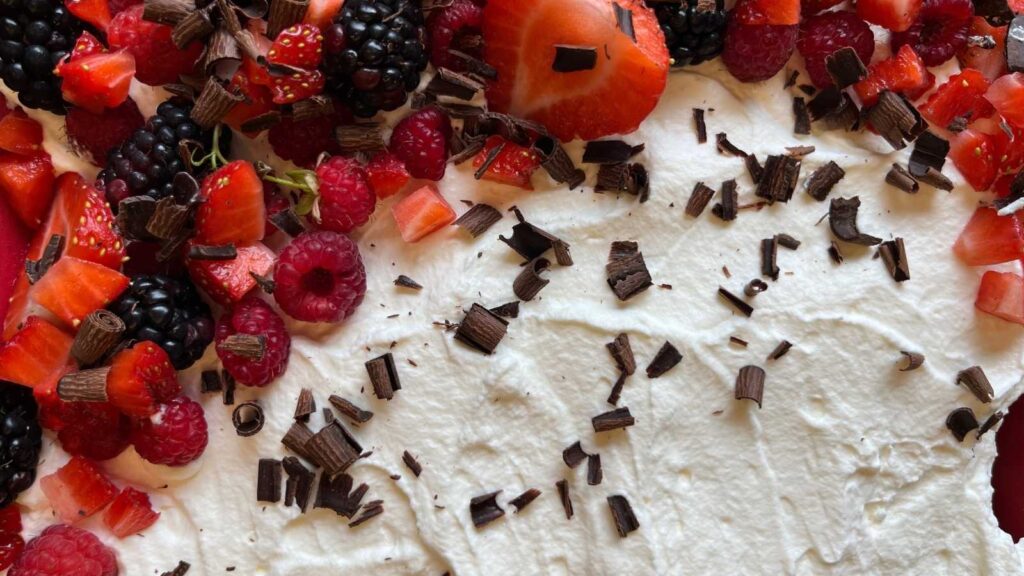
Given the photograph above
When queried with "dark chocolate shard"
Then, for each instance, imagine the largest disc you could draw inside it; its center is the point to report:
(736, 302)
(613, 420)
(475, 65)
(36, 269)
(622, 513)
(894, 255)
(262, 122)
(479, 219)
(226, 252)
(779, 180)
(728, 208)
(594, 472)
(896, 119)
(930, 151)
(786, 241)
(168, 219)
(412, 464)
(210, 382)
(530, 281)
(666, 359)
(574, 455)
(911, 360)
(300, 483)
(800, 151)
(482, 329)
(507, 310)
(845, 67)
(738, 341)
(842, 219)
(616, 393)
(484, 509)
(727, 147)
(365, 138)
(700, 198)
(750, 384)
(755, 287)
(566, 499)
(626, 270)
(990, 423)
(489, 159)
(1015, 44)
(975, 380)
(384, 376)
(268, 481)
(822, 180)
(371, 510)
(523, 500)
(333, 448)
(133, 214)
(936, 179)
(305, 406)
(229, 388)
(700, 125)
(834, 253)
(404, 281)
(453, 84)
(528, 240)
(769, 258)
(249, 346)
(288, 222)
(350, 410)
(248, 419)
(997, 12)
(801, 116)
(574, 58)
(609, 152)
(624, 20)
(557, 163)
(901, 178)
(336, 493)
(622, 353)
(180, 570)
(297, 439)
(960, 422)
(781, 350)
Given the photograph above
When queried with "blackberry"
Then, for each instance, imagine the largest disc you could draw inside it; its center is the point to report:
(169, 312)
(20, 441)
(374, 53)
(694, 29)
(34, 36)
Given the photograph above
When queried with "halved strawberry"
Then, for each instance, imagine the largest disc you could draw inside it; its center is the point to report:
(130, 513)
(520, 37)
(976, 156)
(770, 13)
(72, 289)
(321, 13)
(388, 175)
(298, 45)
(95, 12)
(257, 101)
(990, 238)
(98, 81)
(140, 377)
(989, 61)
(83, 216)
(77, 490)
(20, 134)
(963, 93)
(1007, 96)
(228, 281)
(422, 213)
(233, 211)
(514, 165)
(36, 355)
(896, 15)
(904, 72)
(1001, 294)
(296, 85)
(27, 183)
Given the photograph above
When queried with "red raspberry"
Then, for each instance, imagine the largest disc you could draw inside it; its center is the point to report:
(256, 317)
(11, 542)
(824, 34)
(808, 7)
(320, 277)
(118, 6)
(455, 27)
(421, 141)
(940, 31)
(388, 175)
(346, 197)
(302, 141)
(174, 436)
(754, 53)
(157, 60)
(95, 430)
(61, 550)
(98, 133)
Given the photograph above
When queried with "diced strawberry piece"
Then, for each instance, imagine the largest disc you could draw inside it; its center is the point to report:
(321, 13)
(258, 100)
(976, 156)
(77, 490)
(514, 165)
(234, 211)
(20, 134)
(36, 354)
(1001, 294)
(422, 213)
(1007, 96)
(98, 81)
(896, 15)
(1016, 5)
(989, 61)
(990, 238)
(903, 73)
(72, 289)
(771, 13)
(130, 513)
(84, 217)
(27, 183)
(86, 45)
(926, 85)
(228, 281)
(11, 542)
(388, 175)
(14, 241)
(95, 12)
(140, 377)
(298, 85)
(298, 45)
(963, 94)
(520, 38)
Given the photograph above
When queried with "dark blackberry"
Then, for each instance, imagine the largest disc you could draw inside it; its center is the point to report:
(374, 54)
(20, 441)
(34, 36)
(694, 29)
(169, 312)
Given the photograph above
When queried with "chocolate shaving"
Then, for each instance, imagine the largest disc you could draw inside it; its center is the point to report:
(622, 353)
(563, 495)
(821, 182)
(180, 570)
(523, 500)
(727, 147)
(475, 65)
(557, 163)
(168, 219)
(268, 480)
(836, 110)
(802, 117)
(702, 194)
(700, 125)
(613, 420)
(800, 151)
(507, 310)
(350, 410)
(288, 222)
(314, 107)
(492, 155)
(297, 440)
(845, 67)
(372, 510)
(975, 380)
(262, 122)
(333, 448)
(213, 104)
(336, 493)
(210, 382)
(482, 329)
(221, 57)
(609, 152)
(98, 334)
(1015, 44)
(354, 138)
(750, 384)
(248, 419)
(616, 393)
(781, 350)
(736, 302)
(84, 386)
(284, 13)
(842, 219)
(248, 346)
(769, 258)
(936, 179)
(574, 455)
(299, 486)
(227, 252)
(36, 269)
(194, 27)
(990, 423)
(594, 472)
(484, 509)
(754, 168)
(133, 214)
(626, 270)
(412, 464)
(574, 58)
(622, 513)
(900, 177)
(960, 422)
(624, 20)
(738, 341)
(779, 180)
(384, 376)
(404, 281)
(168, 12)
(896, 119)
(453, 84)
(755, 287)
(305, 406)
(894, 255)
(530, 241)
(529, 282)
(912, 360)
(479, 219)
(728, 208)
(930, 151)
(266, 284)
(834, 253)
(786, 241)
(666, 359)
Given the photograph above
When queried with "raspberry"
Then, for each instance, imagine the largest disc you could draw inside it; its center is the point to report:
(754, 53)
(346, 198)
(11, 542)
(421, 141)
(61, 550)
(824, 34)
(455, 27)
(118, 6)
(256, 317)
(174, 436)
(387, 173)
(157, 60)
(808, 7)
(302, 141)
(940, 31)
(97, 134)
(320, 277)
(95, 430)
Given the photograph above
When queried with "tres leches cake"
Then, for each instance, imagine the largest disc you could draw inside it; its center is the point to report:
(511, 287)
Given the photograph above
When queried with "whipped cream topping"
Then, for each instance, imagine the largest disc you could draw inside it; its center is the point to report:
(847, 469)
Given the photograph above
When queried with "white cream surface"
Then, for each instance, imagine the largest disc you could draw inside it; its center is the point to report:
(848, 468)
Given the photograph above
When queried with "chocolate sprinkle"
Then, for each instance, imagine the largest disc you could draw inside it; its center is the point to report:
(523, 500)
(101, 331)
(845, 67)
(412, 464)
(622, 513)
(738, 341)
(834, 253)
(529, 282)
(305, 406)
(900, 177)
(479, 219)
(530, 241)
(507, 310)
(702, 194)
(666, 359)
(781, 350)
(769, 258)
(404, 281)
(227, 252)
(914, 360)
(372, 510)
(248, 346)
(594, 472)
(779, 179)
(700, 125)
(802, 118)
(990, 423)
(288, 222)
(1015, 44)
(821, 182)
(936, 179)
(736, 302)
(622, 354)
(36, 269)
(229, 388)
(482, 329)
(960, 422)
(755, 287)
(180, 570)
(975, 380)
(350, 410)
(626, 270)
(750, 384)
(727, 147)
(896, 119)
(613, 420)
(248, 419)
(609, 152)
(333, 448)
(787, 241)
(842, 218)
(894, 254)
(484, 509)
(266, 284)
(574, 455)
(268, 481)
(574, 58)
(930, 151)
(728, 208)
(754, 168)
(384, 376)
(210, 382)
(563, 495)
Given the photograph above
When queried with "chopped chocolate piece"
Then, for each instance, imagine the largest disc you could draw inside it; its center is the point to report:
(168, 219)
(284, 13)
(1015, 44)
(845, 67)
(913, 360)
(900, 177)
(508, 310)
(594, 472)
(574, 455)
(627, 271)
(622, 513)
(448, 83)
(769, 258)
(622, 354)
(229, 388)
(84, 386)
(755, 287)
(404, 281)
(384, 376)
(612, 178)
(624, 20)
(562, 254)
(180, 570)
(700, 125)
(523, 500)
(960, 422)
(36, 269)
(248, 346)
(894, 254)
(300, 483)
(750, 384)
(372, 510)
(350, 410)
(268, 480)
(328, 415)
(896, 119)
(727, 147)
(738, 341)
(297, 439)
(702, 194)
(574, 58)
(665, 360)
(728, 208)
(529, 282)
(787, 241)
(133, 214)
(248, 419)
(616, 392)
(97, 335)
(333, 448)
(557, 163)
(288, 222)
(930, 151)
(528, 240)
(802, 118)
(479, 219)
(754, 168)
(834, 253)
(736, 302)
(484, 509)
(800, 151)
(354, 138)
(842, 218)
(828, 102)
(613, 420)
(336, 493)
(482, 329)
(936, 179)
(410, 462)
(492, 155)
(779, 179)
(823, 180)
(475, 65)
(990, 423)
(609, 152)
(959, 123)
(563, 495)
(262, 122)
(781, 350)
(313, 107)
(210, 382)
(794, 75)
(975, 380)
(305, 406)
(226, 252)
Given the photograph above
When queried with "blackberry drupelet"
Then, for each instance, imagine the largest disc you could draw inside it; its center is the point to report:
(20, 441)
(694, 29)
(374, 54)
(169, 312)
(34, 36)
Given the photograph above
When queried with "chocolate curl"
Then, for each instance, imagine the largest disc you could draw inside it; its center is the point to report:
(213, 103)
(84, 386)
(284, 13)
(98, 334)
(195, 26)
(360, 138)
(313, 107)
(222, 56)
(557, 163)
(169, 12)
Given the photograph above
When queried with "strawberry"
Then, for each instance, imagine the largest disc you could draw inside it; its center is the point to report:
(1007, 96)
(320, 13)
(990, 238)
(904, 72)
(14, 240)
(20, 134)
(296, 85)
(227, 281)
(98, 81)
(72, 289)
(130, 513)
(77, 490)
(976, 156)
(587, 104)
(513, 166)
(140, 377)
(422, 213)
(95, 12)
(299, 45)
(233, 211)
(1009, 142)
(11, 542)
(770, 13)
(1001, 294)
(86, 45)
(896, 15)
(257, 100)
(27, 184)
(388, 175)
(36, 355)
(963, 93)
(990, 61)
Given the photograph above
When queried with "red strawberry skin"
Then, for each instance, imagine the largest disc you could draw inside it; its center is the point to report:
(234, 211)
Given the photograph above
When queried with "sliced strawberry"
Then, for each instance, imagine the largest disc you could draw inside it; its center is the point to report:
(20, 134)
(1016, 5)
(84, 217)
(520, 37)
(72, 289)
(234, 212)
(963, 94)
(896, 15)
(320, 13)
(1009, 146)
(990, 238)
(298, 45)
(1001, 294)
(86, 45)
(14, 241)
(976, 156)
(771, 13)
(36, 355)
(77, 490)
(228, 281)
(98, 81)
(27, 183)
(422, 213)
(130, 513)
(141, 377)
(95, 12)
(296, 85)
(989, 61)
(1007, 96)
(388, 175)
(11, 541)
(904, 73)
(514, 165)
(257, 101)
